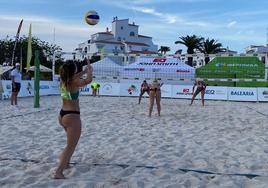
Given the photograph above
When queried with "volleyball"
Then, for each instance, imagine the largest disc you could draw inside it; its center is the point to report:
(92, 17)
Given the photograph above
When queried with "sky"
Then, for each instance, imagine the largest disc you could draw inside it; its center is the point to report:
(234, 23)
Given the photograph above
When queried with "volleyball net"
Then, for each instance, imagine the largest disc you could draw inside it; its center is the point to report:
(229, 69)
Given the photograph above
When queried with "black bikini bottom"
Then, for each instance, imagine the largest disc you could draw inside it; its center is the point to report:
(65, 112)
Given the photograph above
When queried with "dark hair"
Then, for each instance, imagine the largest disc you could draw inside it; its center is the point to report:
(67, 71)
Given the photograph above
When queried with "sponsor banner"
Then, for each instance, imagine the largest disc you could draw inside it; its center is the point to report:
(7, 90)
(108, 89)
(49, 88)
(27, 88)
(242, 94)
(166, 91)
(262, 94)
(130, 89)
(182, 91)
(86, 90)
(216, 93)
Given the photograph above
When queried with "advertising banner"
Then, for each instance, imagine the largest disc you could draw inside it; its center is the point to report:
(242, 94)
(110, 89)
(131, 89)
(27, 88)
(262, 94)
(216, 93)
(182, 91)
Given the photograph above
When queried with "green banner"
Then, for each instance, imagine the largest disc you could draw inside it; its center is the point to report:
(232, 67)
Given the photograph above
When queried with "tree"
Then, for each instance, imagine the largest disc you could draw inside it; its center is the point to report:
(191, 42)
(46, 50)
(164, 49)
(210, 47)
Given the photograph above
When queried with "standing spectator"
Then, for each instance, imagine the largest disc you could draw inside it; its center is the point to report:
(16, 83)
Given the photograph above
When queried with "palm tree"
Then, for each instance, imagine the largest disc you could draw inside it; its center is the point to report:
(191, 42)
(210, 47)
(164, 49)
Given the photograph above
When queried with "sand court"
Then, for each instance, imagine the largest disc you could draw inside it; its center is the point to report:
(121, 146)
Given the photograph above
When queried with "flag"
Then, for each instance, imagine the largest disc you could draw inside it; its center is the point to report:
(16, 40)
(29, 49)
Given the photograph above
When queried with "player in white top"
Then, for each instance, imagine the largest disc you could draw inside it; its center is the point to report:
(16, 83)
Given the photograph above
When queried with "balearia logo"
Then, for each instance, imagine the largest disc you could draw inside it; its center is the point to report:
(242, 93)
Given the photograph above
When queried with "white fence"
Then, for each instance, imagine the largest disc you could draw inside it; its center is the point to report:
(132, 89)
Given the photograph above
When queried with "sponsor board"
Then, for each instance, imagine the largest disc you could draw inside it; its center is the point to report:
(130, 89)
(86, 90)
(216, 93)
(27, 88)
(182, 91)
(166, 91)
(110, 89)
(242, 94)
(262, 94)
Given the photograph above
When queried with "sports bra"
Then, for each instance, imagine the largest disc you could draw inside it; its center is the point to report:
(67, 95)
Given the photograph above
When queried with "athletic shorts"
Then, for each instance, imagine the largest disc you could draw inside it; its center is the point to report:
(17, 88)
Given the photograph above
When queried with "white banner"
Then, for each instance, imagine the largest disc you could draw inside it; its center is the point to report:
(131, 89)
(110, 89)
(262, 94)
(242, 94)
(216, 93)
(86, 90)
(166, 91)
(27, 88)
(182, 91)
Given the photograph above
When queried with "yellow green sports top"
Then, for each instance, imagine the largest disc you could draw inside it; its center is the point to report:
(67, 95)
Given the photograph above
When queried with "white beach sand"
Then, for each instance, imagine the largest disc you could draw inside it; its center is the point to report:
(224, 137)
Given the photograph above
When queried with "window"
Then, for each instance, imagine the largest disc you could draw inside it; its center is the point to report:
(122, 27)
(132, 34)
(119, 38)
(85, 50)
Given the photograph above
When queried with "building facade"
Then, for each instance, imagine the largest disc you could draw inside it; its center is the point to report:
(123, 38)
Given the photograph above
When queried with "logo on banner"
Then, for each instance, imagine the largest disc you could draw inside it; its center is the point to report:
(182, 70)
(242, 93)
(44, 87)
(265, 94)
(159, 60)
(210, 92)
(185, 91)
(8, 86)
(131, 89)
(107, 88)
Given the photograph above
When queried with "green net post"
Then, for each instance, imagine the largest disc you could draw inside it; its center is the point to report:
(36, 80)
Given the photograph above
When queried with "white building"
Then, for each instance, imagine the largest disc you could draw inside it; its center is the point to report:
(256, 49)
(123, 38)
